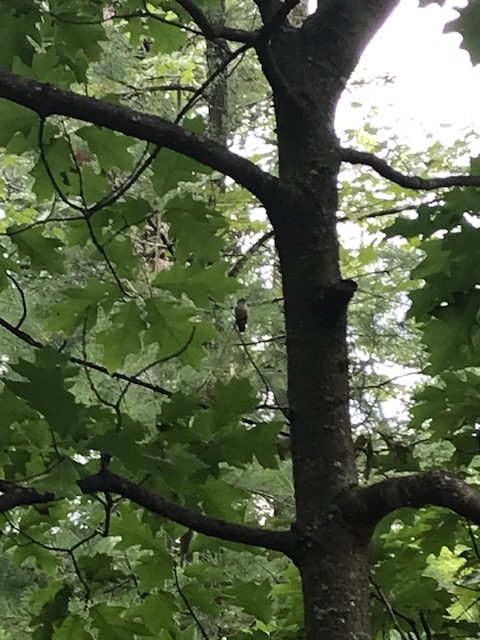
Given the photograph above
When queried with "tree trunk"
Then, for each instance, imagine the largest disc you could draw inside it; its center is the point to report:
(332, 559)
(217, 95)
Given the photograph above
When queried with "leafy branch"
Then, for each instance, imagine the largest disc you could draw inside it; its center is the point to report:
(47, 100)
(409, 182)
(33, 342)
(106, 481)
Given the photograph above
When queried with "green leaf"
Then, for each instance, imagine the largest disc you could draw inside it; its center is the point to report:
(194, 227)
(95, 184)
(201, 597)
(81, 303)
(158, 612)
(170, 327)
(43, 560)
(62, 479)
(254, 598)
(164, 39)
(13, 410)
(232, 399)
(18, 33)
(133, 532)
(98, 568)
(263, 443)
(467, 25)
(179, 406)
(53, 613)
(111, 623)
(18, 126)
(72, 628)
(170, 168)
(122, 441)
(222, 500)
(200, 284)
(57, 154)
(123, 337)
(110, 148)
(154, 570)
(46, 67)
(449, 335)
(44, 253)
(46, 380)
(77, 44)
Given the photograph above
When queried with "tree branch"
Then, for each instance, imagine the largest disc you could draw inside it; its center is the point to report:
(278, 17)
(214, 31)
(14, 496)
(241, 262)
(105, 481)
(268, 8)
(368, 505)
(47, 100)
(409, 182)
(30, 340)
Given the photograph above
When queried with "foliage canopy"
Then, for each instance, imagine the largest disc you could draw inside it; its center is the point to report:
(164, 475)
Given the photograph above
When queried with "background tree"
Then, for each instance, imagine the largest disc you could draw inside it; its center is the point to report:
(146, 444)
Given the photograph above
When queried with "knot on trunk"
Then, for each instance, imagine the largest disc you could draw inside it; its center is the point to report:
(331, 302)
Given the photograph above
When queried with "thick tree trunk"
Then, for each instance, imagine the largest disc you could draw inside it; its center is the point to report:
(332, 559)
(334, 571)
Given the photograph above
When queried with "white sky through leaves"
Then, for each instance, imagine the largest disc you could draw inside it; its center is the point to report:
(434, 90)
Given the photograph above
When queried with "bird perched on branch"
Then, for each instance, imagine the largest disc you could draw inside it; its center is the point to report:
(241, 315)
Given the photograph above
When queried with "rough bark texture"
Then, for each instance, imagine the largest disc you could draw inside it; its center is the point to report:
(308, 73)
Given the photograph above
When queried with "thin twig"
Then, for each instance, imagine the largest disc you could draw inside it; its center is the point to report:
(103, 253)
(28, 339)
(239, 265)
(129, 16)
(56, 186)
(23, 300)
(188, 605)
(408, 182)
(391, 611)
(171, 356)
(473, 539)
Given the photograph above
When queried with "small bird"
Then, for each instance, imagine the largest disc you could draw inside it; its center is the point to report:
(241, 315)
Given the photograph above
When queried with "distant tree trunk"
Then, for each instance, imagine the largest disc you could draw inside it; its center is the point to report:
(218, 118)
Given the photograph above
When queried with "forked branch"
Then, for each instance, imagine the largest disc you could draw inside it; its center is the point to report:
(368, 505)
(409, 182)
(211, 30)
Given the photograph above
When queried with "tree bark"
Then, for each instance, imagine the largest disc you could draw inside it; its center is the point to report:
(217, 98)
(332, 556)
